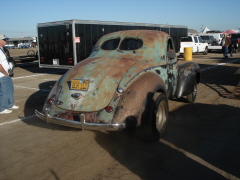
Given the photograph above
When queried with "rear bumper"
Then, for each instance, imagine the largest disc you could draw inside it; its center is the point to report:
(81, 125)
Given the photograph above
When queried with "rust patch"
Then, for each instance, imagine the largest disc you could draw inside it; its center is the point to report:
(75, 116)
(236, 92)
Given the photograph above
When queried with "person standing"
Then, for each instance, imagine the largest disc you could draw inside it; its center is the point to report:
(231, 46)
(226, 41)
(6, 84)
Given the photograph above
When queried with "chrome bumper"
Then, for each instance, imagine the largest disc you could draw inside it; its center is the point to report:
(82, 124)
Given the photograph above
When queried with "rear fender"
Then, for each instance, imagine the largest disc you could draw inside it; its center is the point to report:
(134, 99)
(187, 75)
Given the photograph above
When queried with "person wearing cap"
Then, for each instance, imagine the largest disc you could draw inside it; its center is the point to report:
(6, 84)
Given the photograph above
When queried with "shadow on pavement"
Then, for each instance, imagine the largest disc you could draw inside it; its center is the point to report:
(36, 101)
(196, 146)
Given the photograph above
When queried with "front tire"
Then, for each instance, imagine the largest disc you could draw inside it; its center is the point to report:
(205, 52)
(155, 120)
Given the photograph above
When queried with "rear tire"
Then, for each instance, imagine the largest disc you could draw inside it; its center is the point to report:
(155, 120)
(192, 97)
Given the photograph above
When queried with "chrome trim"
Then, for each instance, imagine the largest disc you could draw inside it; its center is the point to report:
(81, 125)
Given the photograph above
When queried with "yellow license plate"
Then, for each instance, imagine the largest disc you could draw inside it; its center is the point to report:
(79, 84)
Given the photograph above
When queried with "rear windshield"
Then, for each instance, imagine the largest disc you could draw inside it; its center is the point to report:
(127, 44)
(131, 44)
(235, 36)
(186, 39)
(205, 37)
(110, 44)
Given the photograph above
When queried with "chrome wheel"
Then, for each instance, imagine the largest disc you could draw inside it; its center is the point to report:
(192, 97)
(161, 117)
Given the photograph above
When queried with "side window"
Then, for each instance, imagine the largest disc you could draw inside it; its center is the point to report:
(200, 40)
(186, 39)
(171, 49)
(170, 45)
(195, 40)
(111, 44)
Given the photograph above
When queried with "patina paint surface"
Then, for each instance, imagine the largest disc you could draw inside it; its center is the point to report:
(138, 73)
(103, 75)
(133, 100)
(106, 70)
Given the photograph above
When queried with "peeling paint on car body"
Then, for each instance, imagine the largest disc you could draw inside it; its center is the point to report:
(135, 72)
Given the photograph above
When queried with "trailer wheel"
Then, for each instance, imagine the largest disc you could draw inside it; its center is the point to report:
(31, 53)
(155, 120)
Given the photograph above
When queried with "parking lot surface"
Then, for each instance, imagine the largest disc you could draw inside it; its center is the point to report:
(201, 140)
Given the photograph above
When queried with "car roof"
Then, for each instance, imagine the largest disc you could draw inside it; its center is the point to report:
(148, 36)
(206, 35)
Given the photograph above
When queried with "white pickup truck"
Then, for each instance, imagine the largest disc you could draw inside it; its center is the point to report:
(196, 43)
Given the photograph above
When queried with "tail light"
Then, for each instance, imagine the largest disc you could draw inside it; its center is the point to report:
(109, 109)
(70, 60)
(42, 59)
(49, 101)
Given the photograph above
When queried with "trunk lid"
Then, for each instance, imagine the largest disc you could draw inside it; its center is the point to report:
(91, 84)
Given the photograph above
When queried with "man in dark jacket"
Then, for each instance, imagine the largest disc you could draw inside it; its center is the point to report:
(226, 41)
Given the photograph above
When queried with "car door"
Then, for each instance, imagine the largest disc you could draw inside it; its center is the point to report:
(201, 44)
(171, 68)
(196, 44)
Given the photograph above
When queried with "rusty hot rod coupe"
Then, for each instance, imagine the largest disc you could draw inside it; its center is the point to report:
(125, 82)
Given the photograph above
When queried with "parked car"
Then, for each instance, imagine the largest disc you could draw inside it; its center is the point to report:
(125, 82)
(209, 39)
(24, 46)
(197, 44)
(218, 35)
(236, 40)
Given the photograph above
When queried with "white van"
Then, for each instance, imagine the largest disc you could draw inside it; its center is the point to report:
(218, 35)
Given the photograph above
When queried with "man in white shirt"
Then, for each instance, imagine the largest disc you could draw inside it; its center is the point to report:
(6, 84)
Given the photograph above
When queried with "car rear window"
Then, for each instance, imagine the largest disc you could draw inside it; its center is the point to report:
(205, 37)
(131, 44)
(186, 39)
(235, 36)
(126, 44)
(111, 44)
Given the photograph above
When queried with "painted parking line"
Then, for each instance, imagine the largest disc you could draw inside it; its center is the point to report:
(46, 90)
(38, 75)
(221, 64)
(201, 161)
(17, 120)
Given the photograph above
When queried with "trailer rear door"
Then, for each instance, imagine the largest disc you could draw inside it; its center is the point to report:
(55, 45)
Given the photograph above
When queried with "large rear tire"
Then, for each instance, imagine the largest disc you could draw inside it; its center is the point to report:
(192, 97)
(155, 120)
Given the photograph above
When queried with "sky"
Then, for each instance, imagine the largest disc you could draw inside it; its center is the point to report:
(20, 17)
